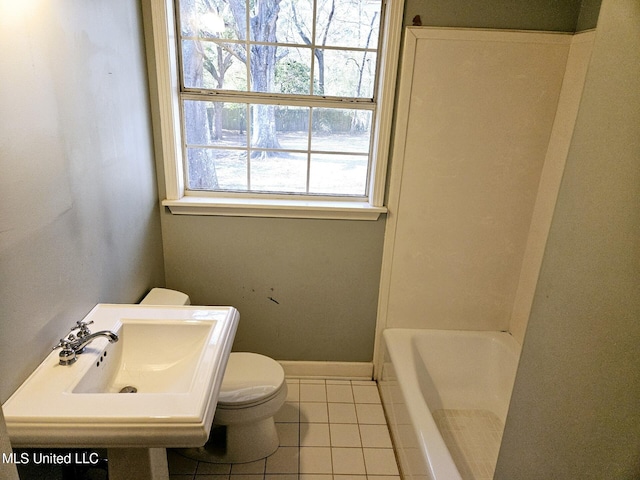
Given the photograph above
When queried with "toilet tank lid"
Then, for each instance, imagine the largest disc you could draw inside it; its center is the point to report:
(165, 296)
(250, 377)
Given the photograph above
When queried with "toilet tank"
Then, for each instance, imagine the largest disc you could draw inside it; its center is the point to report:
(165, 296)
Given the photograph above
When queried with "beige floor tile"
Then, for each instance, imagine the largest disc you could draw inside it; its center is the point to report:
(314, 435)
(284, 460)
(366, 394)
(313, 392)
(347, 461)
(275, 476)
(249, 467)
(369, 413)
(380, 461)
(345, 435)
(315, 476)
(315, 460)
(340, 393)
(375, 436)
(205, 468)
(313, 412)
(342, 413)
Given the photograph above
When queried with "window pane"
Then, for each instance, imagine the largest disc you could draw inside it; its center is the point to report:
(292, 124)
(295, 22)
(346, 73)
(207, 19)
(279, 127)
(213, 65)
(215, 123)
(278, 172)
(293, 71)
(216, 169)
(264, 19)
(352, 23)
(338, 174)
(341, 130)
(276, 69)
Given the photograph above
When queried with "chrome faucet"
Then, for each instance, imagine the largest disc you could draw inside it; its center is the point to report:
(74, 344)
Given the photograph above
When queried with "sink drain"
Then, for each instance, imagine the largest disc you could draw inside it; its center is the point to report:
(128, 389)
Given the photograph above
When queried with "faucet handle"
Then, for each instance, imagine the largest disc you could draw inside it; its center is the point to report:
(63, 343)
(82, 328)
(67, 354)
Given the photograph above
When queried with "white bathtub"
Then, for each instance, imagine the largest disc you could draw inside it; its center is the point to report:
(446, 394)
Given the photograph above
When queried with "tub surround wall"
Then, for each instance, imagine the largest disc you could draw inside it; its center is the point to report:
(475, 115)
(551, 175)
(79, 213)
(574, 409)
(471, 204)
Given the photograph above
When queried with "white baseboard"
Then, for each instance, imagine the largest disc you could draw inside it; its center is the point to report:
(332, 370)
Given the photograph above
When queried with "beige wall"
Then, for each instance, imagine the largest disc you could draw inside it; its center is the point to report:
(574, 409)
(79, 220)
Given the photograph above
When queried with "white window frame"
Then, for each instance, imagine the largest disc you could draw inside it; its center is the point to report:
(160, 38)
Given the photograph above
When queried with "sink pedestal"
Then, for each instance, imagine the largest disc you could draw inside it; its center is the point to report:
(138, 463)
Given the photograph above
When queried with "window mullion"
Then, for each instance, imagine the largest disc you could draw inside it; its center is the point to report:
(247, 39)
(309, 133)
(280, 99)
(249, 132)
(313, 46)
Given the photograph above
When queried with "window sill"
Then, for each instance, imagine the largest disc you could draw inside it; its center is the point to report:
(277, 208)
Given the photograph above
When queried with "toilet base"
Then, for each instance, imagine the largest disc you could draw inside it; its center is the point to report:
(240, 443)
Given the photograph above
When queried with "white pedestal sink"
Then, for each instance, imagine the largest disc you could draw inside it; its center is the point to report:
(173, 357)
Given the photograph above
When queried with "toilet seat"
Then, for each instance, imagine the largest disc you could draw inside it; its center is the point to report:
(250, 379)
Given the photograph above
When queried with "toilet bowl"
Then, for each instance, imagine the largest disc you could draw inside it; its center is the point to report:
(253, 390)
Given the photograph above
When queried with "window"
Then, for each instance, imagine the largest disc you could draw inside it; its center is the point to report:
(275, 107)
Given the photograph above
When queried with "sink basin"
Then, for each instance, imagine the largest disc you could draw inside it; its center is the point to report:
(152, 357)
(173, 358)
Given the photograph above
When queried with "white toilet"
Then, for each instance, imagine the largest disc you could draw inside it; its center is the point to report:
(253, 390)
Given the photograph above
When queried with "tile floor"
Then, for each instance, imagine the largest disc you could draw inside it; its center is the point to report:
(329, 430)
